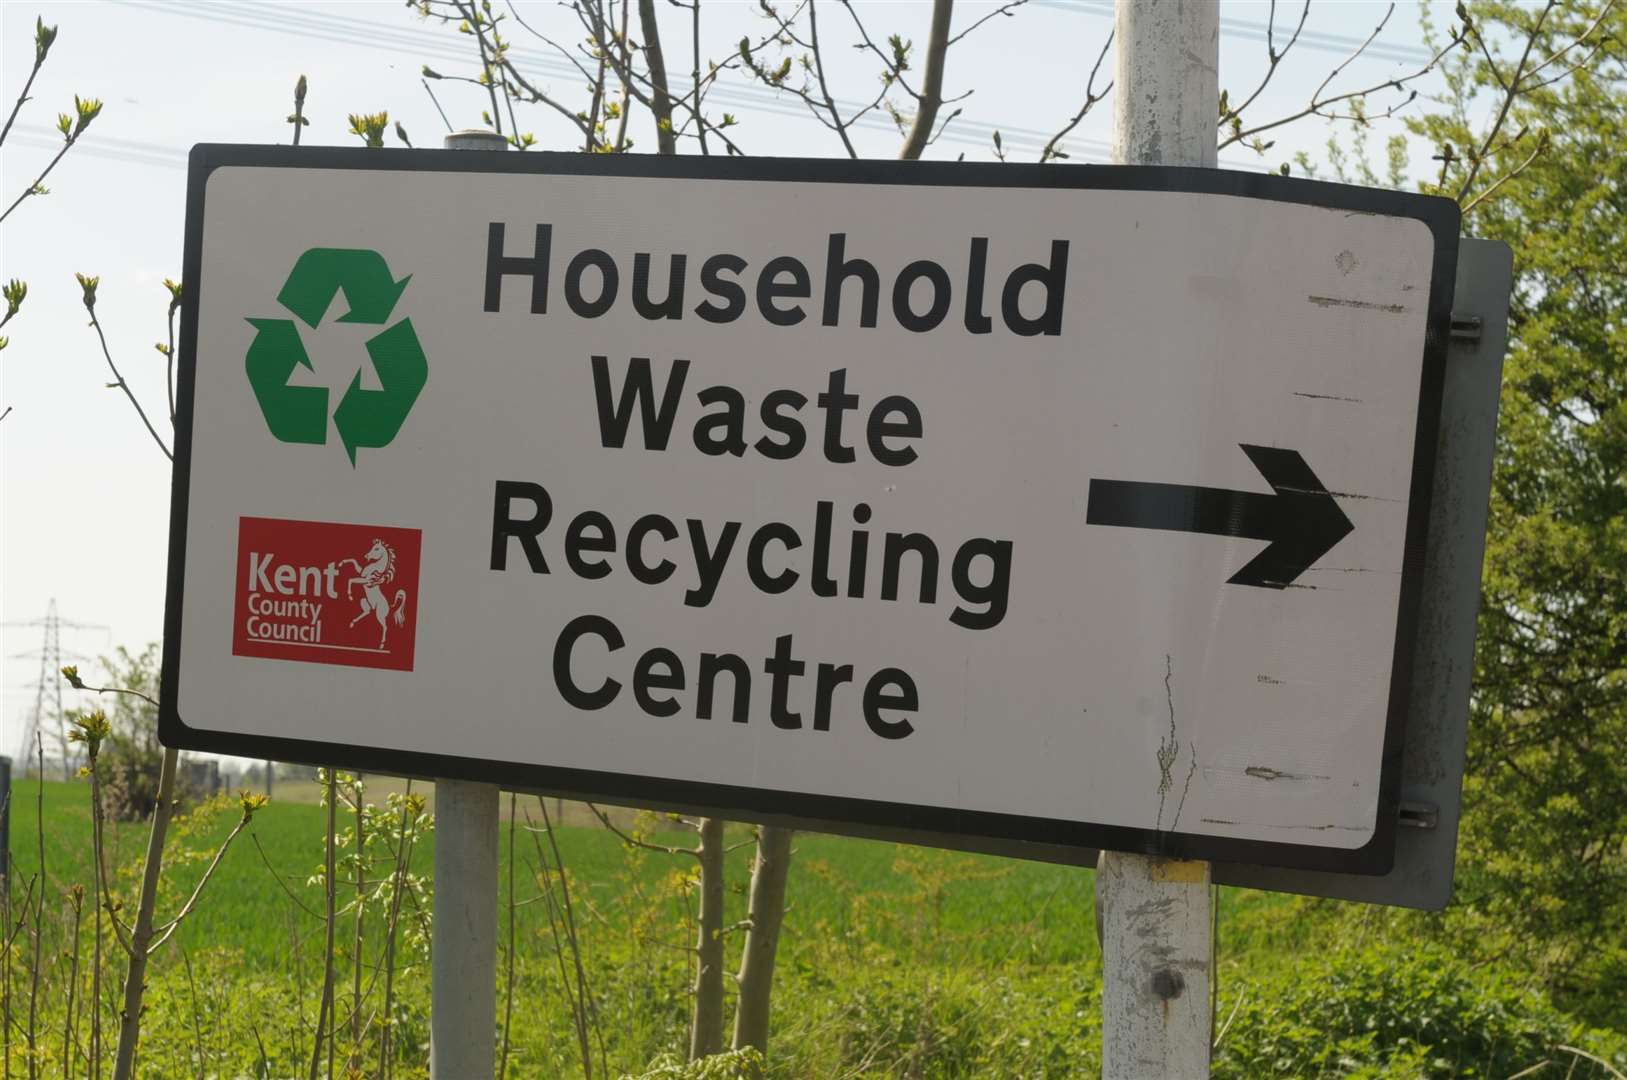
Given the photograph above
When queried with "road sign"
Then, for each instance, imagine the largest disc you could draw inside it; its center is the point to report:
(1432, 756)
(1067, 504)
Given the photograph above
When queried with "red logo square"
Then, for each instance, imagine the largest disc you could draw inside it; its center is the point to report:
(327, 593)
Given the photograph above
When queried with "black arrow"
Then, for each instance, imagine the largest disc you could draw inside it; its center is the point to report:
(1300, 517)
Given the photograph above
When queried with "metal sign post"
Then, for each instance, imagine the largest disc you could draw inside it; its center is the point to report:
(463, 969)
(1155, 924)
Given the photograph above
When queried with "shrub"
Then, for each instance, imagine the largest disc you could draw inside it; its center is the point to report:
(1401, 1012)
(734, 1065)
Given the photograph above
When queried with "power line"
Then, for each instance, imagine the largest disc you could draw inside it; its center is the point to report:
(356, 32)
(48, 689)
(132, 151)
(348, 31)
(1259, 31)
(428, 43)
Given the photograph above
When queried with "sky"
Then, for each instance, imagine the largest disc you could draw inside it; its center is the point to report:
(84, 491)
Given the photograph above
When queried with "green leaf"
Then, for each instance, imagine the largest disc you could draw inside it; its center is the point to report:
(15, 292)
(369, 127)
(88, 110)
(44, 38)
(88, 285)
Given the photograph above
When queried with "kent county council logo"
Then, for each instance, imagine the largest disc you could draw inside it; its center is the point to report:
(326, 593)
(299, 414)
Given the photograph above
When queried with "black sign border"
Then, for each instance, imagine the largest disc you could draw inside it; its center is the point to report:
(1440, 215)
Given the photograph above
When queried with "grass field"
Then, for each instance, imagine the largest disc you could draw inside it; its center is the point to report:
(966, 901)
(895, 961)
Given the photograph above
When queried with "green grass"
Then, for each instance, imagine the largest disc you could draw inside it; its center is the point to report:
(962, 907)
(895, 961)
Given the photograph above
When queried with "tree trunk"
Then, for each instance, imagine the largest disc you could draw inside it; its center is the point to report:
(926, 111)
(763, 939)
(666, 139)
(706, 1031)
(141, 935)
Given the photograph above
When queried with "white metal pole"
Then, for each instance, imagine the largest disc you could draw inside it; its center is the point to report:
(1166, 106)
(463, 978)
(463, 975)
(1155, 913)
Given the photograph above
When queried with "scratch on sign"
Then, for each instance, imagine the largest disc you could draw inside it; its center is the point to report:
(1281, 825)
(1266, 772)
(1363, 305)
(1168, 750)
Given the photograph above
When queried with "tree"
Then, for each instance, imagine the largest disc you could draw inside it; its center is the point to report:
(709, 851)
(765, 915)
(131, 756)
(1544, 843)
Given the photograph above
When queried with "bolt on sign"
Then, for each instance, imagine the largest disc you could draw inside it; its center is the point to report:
(1069, 504)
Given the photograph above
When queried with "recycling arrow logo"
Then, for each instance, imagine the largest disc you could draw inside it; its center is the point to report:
(299, 414)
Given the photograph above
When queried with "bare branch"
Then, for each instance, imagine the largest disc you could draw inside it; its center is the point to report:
(931, 98)
(1091, 98)
(477, 26)
(1566, 73)
(71, 673)
(619, 54)
(1319, 105)
(1273, 58)
(661, 97)
(895, 68)
(279, 879)
(118, 381)
(633, 841)
(297, 119)
(596, 102)
(169, 928)
(36, 187)
(1360, 49)
(695, 67)
(944, 125)
(551, 43)
(1542, 144)
(1491, 62)
(436, 102)
(1511, 91)
(1615, 1072)
(44, 37)
(1559, 54)
(824, 88)
(1003, 9)
(169, 365)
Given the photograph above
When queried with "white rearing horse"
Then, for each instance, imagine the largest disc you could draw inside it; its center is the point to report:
(379, 571)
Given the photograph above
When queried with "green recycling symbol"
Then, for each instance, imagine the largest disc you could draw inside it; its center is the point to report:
(299, 414)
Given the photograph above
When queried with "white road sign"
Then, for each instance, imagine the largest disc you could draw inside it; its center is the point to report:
(1059, 503)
